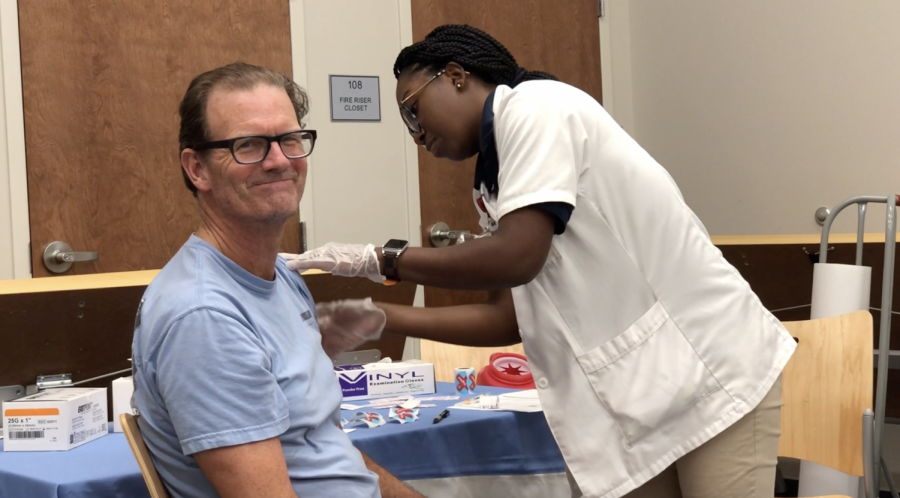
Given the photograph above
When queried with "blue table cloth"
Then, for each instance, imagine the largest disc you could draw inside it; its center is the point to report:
(104, 467)
(466, 443)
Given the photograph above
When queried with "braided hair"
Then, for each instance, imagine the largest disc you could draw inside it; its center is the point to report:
(471, 48)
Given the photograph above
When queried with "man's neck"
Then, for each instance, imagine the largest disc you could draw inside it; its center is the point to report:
(254, 250)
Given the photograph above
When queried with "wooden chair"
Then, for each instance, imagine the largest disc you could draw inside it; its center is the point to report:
(827, 391)
(148, 470)
(447, 357)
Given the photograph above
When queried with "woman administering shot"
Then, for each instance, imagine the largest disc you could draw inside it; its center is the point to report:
(657, 367)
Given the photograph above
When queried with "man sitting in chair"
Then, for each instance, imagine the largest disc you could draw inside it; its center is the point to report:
(235, 395)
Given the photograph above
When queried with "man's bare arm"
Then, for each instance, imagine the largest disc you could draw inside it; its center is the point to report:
(248, 470)
(391, 487)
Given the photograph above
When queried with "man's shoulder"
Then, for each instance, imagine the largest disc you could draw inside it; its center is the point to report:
(184, 280)
(196, 279)
(192, 280)
(294, 279)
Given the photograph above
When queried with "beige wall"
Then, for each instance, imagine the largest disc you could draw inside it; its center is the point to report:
(363, 174)
(762, 111)
(363, 182)
(14, 230)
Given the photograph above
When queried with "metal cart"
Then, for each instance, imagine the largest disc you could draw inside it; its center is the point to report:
(873, 424)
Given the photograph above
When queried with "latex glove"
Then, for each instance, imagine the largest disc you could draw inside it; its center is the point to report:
(343, 260)
(349, 323)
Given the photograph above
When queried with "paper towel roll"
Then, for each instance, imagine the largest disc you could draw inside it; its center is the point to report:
(837, 289)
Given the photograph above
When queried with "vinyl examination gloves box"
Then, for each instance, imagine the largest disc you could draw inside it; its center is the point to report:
(383, 379)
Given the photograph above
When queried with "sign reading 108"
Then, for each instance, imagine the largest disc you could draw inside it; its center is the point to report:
(355, 98)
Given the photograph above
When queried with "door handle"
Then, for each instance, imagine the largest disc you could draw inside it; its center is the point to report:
(59, 256)
(441, 235)
(74, 257)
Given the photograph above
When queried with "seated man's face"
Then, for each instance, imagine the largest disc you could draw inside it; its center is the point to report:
(268, 191)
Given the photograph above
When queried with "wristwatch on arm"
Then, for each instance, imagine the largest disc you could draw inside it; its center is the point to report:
(391, 252)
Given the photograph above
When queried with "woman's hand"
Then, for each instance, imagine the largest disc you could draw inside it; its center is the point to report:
(343, 260)
(347, 324)
(510, 257)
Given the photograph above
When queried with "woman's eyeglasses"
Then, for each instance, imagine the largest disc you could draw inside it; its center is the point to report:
(409, 117)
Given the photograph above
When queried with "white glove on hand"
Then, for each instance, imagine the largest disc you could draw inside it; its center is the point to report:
(343, 260)
(349, 323)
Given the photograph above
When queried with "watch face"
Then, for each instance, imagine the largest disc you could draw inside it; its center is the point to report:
(396, 244)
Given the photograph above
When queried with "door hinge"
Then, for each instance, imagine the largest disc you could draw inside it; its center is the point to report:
(601, 8)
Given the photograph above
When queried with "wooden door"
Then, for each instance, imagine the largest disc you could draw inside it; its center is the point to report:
(101, 83)
(557, 36)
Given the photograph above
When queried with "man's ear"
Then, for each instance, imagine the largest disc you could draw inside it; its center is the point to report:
(196, 170)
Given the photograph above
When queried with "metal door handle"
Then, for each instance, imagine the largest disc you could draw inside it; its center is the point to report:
(441, 235)
(59, 256)
(74, 257)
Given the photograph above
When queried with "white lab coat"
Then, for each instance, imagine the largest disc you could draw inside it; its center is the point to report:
(643, 340)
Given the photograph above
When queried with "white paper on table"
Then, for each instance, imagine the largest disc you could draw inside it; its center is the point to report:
(519, 401)
(411, 403)
(348, 431)
(438, 398)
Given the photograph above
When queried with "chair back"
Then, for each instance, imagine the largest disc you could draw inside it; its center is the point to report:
(827, 385)
(142, 455)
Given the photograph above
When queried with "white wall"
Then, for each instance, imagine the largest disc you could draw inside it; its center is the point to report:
(762, 111)
(14, 229)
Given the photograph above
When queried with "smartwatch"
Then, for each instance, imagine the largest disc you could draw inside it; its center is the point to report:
(391, 251)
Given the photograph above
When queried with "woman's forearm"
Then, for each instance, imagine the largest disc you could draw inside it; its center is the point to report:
(510, 258)
(490, 324)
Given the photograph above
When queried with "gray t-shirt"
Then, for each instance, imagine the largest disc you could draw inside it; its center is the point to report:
(222, 358)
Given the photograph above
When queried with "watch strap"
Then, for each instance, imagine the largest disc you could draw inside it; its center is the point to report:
(391, 264)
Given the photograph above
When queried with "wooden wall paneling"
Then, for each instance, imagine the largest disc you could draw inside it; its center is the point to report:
(781, 275)
(43, 333)
(101, 82)
(89, 332)
(83, 332)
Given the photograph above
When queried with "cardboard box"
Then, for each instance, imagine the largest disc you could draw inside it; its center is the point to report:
(55, 420)
(122, 388)
(381, 380)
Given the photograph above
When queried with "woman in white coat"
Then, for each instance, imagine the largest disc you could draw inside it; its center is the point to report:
(657, 367)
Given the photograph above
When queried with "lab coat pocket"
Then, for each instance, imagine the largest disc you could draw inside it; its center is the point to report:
(648, 375)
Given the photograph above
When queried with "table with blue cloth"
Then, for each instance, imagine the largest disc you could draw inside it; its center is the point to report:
(469, 453)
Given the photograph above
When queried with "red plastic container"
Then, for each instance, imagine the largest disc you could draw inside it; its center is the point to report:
(507, 370)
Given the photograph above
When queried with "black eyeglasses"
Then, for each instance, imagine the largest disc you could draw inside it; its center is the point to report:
(255, 149)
